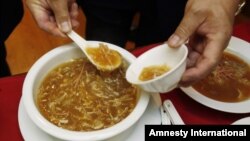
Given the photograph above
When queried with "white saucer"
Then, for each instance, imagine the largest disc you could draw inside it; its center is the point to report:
(31, 132)
(243, 121)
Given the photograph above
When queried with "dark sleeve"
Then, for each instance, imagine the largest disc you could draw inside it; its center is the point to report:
(11, 15)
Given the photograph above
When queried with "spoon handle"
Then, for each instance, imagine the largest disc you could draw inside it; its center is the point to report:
(81, 42)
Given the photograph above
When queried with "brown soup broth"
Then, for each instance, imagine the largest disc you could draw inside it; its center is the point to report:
(229, 82)
(152, 72)
(103, 55)
(76, 96)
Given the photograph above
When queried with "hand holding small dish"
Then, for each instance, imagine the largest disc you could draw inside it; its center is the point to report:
(165, 66)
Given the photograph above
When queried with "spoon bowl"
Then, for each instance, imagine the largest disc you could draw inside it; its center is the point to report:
(104, 58)
(174, 58)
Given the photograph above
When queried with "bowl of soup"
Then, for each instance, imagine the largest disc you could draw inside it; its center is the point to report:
(227, 87)
(67, 97)
(229, 81)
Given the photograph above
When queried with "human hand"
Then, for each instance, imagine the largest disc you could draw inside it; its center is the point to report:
(54, 16)
(207, 26)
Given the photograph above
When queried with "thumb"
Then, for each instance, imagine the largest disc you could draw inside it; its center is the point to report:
(61, 12)
(186, 28)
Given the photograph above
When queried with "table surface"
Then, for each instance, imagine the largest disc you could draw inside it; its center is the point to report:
(190, 111)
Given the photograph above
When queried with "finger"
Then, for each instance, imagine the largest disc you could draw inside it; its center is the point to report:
(51, 28)
(48, 24)
(75, 23)
(197, 42)
(192, 59)
(74, 14)
(61, 12)
(186, 28)
(204, 65)
(74, 11)
(194, 74)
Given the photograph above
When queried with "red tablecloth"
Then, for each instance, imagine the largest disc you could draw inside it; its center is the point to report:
(242, 30)
(191, 111)
(10, 94)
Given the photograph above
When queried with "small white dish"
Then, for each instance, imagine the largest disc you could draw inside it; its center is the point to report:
(152, 115)
(242, 121)
(241, 49)
(174, 58)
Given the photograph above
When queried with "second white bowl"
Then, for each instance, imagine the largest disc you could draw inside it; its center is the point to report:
(175, 58)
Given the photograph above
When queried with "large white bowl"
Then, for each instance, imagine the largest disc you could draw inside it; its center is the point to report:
(241, 49)
(49, 61)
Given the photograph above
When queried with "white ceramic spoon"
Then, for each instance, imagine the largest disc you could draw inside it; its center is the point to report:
(111, 65)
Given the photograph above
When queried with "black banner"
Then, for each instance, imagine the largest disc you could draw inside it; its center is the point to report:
(192, 132)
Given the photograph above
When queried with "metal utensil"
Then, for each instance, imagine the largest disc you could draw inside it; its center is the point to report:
(165, 120)
(172, 113)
